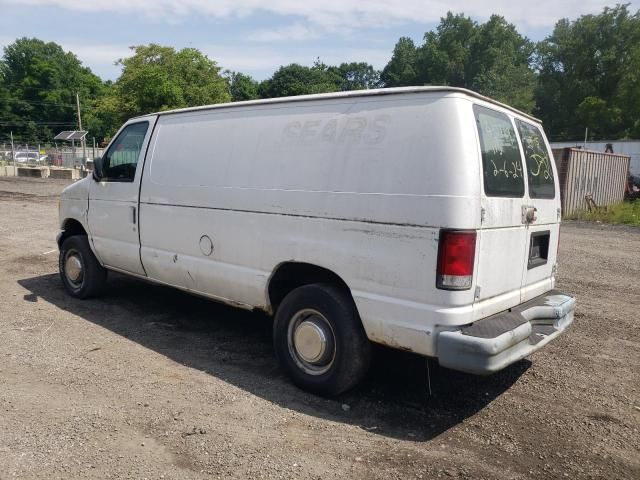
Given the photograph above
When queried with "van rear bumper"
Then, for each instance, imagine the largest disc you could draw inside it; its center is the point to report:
(495, 342)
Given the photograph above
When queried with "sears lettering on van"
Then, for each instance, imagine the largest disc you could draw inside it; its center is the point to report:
(370, 131)
(421, 218)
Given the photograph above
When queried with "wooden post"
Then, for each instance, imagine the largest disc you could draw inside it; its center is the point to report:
(13, 155)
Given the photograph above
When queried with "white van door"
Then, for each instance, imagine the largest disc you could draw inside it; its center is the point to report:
(541, 213)
(113, 201)
(502, 237)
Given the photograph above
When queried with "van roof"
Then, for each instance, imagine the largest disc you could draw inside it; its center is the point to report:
(352, 93)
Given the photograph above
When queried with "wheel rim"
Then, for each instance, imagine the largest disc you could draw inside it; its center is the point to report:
(311, 341)
(73, 268)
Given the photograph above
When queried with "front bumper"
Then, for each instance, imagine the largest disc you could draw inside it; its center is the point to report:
(495, 342)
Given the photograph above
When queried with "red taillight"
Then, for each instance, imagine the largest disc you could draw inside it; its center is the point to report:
(456, 254)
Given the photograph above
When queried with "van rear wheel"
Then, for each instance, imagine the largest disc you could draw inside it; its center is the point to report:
(319, 339)
(80, 271)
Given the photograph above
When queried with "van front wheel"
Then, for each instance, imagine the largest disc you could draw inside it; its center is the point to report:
(80, 271)
(319, 339)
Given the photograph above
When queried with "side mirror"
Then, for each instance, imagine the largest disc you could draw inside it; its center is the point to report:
(98, 172)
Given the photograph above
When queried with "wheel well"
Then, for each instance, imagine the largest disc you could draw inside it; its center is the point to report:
(291, 275)
(70, 228)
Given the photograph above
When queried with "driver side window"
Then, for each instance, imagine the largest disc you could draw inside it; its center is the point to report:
(121, 160)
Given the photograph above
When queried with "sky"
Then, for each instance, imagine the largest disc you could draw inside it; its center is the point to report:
(258, 36)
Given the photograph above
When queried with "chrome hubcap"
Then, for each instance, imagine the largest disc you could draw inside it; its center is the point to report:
(311, 341)
(73, 267)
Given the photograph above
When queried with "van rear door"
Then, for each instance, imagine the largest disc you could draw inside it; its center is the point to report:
(503, 235)
(541, 213)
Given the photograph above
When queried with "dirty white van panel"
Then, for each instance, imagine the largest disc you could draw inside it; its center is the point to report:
(345, 160)
(350, 186)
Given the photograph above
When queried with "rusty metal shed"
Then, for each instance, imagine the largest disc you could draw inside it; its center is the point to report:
(585, 172)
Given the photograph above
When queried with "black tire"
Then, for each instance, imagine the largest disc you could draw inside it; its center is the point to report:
(352, 353)
(93, 276)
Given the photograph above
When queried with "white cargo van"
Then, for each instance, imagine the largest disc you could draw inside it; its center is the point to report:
(426, 219)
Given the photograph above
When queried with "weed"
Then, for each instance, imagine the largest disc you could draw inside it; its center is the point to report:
(627, 213)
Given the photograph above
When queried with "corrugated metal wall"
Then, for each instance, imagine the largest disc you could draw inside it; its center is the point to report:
(583, 172)
(620, 147)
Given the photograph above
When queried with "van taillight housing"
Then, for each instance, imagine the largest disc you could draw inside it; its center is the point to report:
(456, 255)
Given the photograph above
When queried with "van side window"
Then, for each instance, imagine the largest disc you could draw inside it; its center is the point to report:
(501, 162)
(121, 159)
(539, 170)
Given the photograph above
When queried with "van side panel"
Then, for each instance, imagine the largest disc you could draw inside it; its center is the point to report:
(364, 160)
(359, 186)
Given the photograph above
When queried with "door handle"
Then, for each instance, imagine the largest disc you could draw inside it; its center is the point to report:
(133, 215)
(529, 214)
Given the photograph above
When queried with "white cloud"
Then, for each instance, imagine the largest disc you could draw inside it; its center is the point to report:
(92, 53)
(297, 31)
(342, 13)
(256, 61)
(378, 58)
(246, 60)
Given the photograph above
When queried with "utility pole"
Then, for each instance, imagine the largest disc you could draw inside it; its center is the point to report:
(586, 134)
(84, 145)
(13, 155)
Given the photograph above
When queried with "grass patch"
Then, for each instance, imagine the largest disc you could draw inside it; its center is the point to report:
(627, 213)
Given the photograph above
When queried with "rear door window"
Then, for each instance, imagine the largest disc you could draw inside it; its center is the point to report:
(501, 162)
(539, 170)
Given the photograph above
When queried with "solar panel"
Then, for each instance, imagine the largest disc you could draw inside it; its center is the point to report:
(71, 135)
(78, 135)
(63, 135)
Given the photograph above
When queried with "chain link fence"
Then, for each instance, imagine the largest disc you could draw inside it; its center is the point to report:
(43, 161)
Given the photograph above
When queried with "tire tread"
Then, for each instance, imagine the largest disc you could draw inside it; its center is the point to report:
(353, 352)
(95, 275)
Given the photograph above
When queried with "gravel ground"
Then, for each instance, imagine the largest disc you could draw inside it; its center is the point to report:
(149, 382)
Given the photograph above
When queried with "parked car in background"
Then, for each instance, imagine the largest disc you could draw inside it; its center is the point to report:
(5, 155)
(30, 157)
(426, 219)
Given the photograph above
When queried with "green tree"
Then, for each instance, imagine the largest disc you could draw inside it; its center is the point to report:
(446, 57)
(103, 115)
(501, 64)
(627, 96)
(297, 79)
(589, 75)
(508, 83)
(401, 69)
(490, 58)
(38, 86)
(159, 78)
(5, 112)
(241, 86)
(357, 76)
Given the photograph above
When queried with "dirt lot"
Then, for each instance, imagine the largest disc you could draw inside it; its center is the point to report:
(152, 383)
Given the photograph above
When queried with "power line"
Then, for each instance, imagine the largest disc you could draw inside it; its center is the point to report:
(32, 102)
(12, 122)
(28, 87)
(23, 124)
